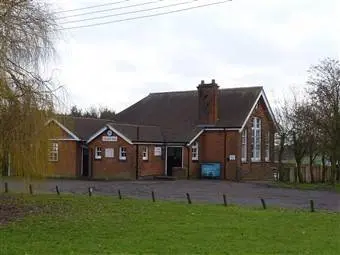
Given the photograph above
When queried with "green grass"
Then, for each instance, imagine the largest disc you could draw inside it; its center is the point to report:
(309, 186)
(105, 225)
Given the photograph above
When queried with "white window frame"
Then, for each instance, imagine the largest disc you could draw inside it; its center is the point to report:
(53, 155)
(194, 151)
(108, 152)
(145, 153)
(122, 153)
(98, 152)
(267, 157)
(256, 139)
(244, 145)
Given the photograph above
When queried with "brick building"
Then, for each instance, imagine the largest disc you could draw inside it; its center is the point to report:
(173, 133)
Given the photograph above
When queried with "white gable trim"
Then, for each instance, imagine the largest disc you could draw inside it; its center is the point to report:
(195, 137)
(99, 132)
(263, 95)
(65, 129)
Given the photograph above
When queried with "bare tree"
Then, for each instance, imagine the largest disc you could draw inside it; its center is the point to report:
(282, 132)
(297, 136)
(324, 89)
(27, 33)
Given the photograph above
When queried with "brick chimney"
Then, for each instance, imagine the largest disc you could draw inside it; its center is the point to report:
(208, 102)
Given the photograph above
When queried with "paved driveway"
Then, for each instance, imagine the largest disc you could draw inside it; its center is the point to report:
(200, 190)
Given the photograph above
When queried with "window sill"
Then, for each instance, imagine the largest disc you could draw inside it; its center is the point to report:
(194, 159)
(53, 161)
(145, 159)
(122, 159)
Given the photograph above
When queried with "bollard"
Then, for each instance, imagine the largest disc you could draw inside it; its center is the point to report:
(153, 196)
(263, 203)
(119, 195)
(189, 199)
(6, 187)
(31, 189)
(225, 200)
(312, 205)
(57, 189)
(90, 191)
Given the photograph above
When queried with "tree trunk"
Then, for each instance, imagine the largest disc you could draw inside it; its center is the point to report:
(299, 173)
(281, 169)
(333, 168)
(311, 160)
(323, 159)
(338, 171)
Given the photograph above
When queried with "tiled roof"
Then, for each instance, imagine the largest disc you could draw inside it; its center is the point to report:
(82, 127)
(146, 133)
(176, 113)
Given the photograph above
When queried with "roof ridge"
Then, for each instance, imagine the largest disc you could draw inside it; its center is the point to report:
(87, 118)
(188, 91)
(133, 125)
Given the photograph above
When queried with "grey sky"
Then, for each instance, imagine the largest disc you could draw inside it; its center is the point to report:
(240, 43)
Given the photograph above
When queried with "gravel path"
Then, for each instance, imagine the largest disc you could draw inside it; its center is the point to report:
(207, 191)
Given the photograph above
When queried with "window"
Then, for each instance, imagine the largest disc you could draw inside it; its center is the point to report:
(53, 152)
(244, 146)
(256, 139)
(145, 153)
(122, 153)
(98, 153)
(194, 151)
(109, 153)
(267, 157)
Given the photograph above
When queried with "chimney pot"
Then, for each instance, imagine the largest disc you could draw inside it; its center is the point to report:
(213, 81)
(202, 82)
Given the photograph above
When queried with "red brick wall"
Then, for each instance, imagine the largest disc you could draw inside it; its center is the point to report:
(259, 170)
(69, 154)
(212, 148)
(68, 164)
(114, 168)
(194, 171)
(154, 166)
(106, 168)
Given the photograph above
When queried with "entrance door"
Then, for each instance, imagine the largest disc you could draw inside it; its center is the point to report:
(85, 162)
(174, 158)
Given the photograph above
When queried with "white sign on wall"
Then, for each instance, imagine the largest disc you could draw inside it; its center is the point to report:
(158, 151)
(232, 157)
(109, 138)
(109, 153)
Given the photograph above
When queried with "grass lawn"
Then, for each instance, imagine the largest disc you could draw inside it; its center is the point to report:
(106, 225)
(309, 186)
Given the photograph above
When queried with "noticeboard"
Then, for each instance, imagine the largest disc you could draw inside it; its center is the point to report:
(211, 170)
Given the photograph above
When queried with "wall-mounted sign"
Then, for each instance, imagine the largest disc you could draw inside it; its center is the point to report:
(109, 138)
(158, 151)
(211, 170)
(109, 132)
(109, 153)
(232, 157)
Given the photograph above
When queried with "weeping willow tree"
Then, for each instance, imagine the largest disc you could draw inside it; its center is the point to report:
(27, 101)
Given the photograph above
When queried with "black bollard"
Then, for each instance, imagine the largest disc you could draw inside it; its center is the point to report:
(189, 199)
(263, 203)
(225, 200)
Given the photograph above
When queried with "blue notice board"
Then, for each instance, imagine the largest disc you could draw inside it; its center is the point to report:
(211, 170)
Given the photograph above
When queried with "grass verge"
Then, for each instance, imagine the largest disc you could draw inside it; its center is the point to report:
(105, 225)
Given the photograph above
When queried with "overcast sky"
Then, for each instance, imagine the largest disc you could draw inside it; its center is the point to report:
(270, 43)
